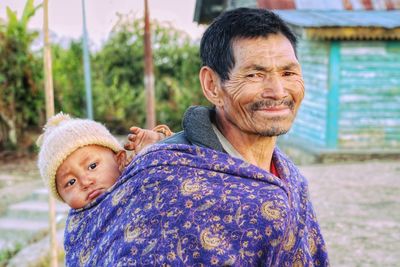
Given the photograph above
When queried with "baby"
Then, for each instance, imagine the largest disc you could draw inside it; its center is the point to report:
(79, 159)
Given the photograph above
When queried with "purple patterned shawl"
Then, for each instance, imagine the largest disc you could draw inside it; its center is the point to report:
(179, 205)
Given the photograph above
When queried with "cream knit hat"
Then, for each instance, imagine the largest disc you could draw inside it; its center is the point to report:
(63, 135)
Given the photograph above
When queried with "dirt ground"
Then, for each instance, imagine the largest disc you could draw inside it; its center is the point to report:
(18, 176)
(358, 206)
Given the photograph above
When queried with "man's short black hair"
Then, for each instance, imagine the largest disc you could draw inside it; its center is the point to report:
(216, 44)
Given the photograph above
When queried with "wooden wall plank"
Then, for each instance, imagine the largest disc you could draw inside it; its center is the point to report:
(333, 95)
(310, 124)
(370, 95)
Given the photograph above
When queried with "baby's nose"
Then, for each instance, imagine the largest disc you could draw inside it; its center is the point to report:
(87, 181)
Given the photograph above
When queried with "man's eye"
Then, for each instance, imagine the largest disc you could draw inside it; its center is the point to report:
(71, 182)
(255, 76)
(288, 73)
(92, 166)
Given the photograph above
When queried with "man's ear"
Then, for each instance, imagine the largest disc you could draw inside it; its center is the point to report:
(210, 83)
(121, 160)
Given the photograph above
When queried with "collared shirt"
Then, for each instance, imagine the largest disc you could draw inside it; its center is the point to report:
(233, 152)
(226, 144)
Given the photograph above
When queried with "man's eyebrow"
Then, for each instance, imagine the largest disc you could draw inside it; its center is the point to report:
(256, 67)
(288, 66)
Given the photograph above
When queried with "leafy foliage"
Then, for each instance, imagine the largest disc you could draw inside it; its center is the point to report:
(119, 67)
(69, 90)
(21, 100)
(117, 76)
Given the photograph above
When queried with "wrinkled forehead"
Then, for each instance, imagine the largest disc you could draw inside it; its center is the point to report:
(271, 44)
(274, 49)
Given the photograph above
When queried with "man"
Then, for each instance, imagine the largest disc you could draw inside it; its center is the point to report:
(220, 192)
(252, 76)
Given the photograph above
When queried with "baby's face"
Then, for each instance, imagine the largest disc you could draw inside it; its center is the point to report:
(87, 173)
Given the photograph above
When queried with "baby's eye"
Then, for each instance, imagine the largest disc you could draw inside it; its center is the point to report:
(71, 182)
(92, 166)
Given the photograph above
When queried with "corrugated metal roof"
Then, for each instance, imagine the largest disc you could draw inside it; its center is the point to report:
(207, 10)
(330, 4)
(336, 18)
(281, 4)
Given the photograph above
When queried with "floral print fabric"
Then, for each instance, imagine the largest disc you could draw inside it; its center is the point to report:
(180, 205)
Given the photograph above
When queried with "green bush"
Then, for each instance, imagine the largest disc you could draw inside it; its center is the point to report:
(118, 71)
(21, 97)
(117, 77)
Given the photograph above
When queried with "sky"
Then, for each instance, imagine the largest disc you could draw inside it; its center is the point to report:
(65, 16)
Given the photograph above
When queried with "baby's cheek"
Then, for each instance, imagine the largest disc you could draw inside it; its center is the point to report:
(76, 202)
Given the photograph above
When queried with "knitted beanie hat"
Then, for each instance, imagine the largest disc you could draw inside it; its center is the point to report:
(61, 137)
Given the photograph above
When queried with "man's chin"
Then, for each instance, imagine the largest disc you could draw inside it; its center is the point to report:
(273, 131)
(281, 125)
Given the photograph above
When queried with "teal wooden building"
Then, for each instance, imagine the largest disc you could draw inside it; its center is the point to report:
(351, 68)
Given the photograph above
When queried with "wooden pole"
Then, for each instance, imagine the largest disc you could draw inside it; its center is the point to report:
(86, 66)
(148, 71)
(49, 113)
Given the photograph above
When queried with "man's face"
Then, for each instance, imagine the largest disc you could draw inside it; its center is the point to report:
(87, 173)
(265, 87)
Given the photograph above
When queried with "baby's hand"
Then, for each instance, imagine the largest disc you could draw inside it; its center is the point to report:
(140, 138)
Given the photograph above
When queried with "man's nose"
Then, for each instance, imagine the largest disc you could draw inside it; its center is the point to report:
(274, 87)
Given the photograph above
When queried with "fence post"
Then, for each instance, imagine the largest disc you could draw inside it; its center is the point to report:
(49, 113)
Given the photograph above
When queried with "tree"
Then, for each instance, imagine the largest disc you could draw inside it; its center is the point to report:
(69, 88)
(119, 71)
(21, 99)
(117, 75)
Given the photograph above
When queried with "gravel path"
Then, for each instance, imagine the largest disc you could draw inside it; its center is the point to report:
(358, 206)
